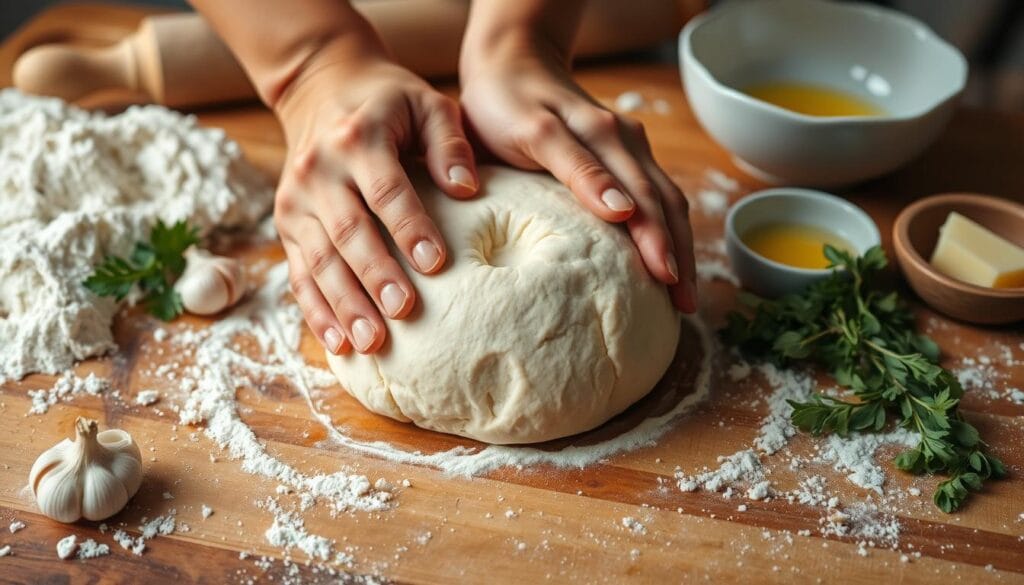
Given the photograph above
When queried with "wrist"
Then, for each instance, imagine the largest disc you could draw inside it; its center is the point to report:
(332, 67)
(486, 49)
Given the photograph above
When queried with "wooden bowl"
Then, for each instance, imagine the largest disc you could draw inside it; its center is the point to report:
(915, 235)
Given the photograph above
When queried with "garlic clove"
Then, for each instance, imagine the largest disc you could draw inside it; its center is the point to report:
(128, 470)
(103, 494)
(59, 495)
(210, 283)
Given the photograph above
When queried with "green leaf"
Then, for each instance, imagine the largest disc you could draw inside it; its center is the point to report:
(164, 304)
(148, 268)
(169, 244)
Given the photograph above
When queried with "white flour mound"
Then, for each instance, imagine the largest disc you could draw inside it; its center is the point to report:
(75, 186)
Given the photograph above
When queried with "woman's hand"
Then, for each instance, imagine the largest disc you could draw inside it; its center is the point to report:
(347, 124)
(521, 101)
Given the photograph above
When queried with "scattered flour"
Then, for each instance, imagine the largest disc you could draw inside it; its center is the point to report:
(634, 101)
(75, 186)
(66, 546)
(147, 397)
(630, 101)
(716, 269)
(90, 549)
(65, 388)
(714, 203)
(634, 525)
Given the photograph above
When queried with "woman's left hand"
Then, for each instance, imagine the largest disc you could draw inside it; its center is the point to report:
(525, 107)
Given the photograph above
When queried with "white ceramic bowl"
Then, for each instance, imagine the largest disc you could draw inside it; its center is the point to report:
(879, 55)
(790, 205)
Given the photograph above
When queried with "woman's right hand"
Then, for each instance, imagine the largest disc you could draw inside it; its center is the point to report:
(346, 126)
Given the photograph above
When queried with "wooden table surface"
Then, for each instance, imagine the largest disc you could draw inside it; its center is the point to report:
(570, 520)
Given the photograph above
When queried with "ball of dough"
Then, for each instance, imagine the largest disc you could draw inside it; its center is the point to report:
(544, 322)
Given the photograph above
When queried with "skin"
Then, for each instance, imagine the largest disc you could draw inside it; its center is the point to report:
(349, 113)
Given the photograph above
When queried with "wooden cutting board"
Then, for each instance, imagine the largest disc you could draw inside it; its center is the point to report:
(570, 521)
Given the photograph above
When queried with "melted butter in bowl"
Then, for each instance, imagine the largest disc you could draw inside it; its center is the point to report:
(776, 238)
(793, 244)
(812, 99)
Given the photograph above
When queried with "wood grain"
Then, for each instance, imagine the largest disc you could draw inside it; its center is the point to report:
(570, 520)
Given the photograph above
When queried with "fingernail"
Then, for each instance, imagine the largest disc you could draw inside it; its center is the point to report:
(332, 340)
(426, 255)
(616, 200)
(393, 298)
(362, 334)
(672, 266)
(460, 175)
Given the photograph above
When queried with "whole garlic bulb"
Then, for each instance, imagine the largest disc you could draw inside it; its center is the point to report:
(210, 283)
(92, 477)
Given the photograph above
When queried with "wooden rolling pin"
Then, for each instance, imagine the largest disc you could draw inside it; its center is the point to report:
(178, 60)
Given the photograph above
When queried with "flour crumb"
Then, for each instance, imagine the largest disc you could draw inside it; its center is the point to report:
(713, 202)
(147, 397)
(721, 180)
(66, 388)
(90, 549)
(5, 550)
(136, 545)
(16, 526)
(634, 525)
(206, 511)
(630, 101)
(66, 546)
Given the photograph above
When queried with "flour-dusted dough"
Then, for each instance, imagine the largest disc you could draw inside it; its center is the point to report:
(543, 324)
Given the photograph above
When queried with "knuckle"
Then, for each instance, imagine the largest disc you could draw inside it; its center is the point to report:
(372, 267)
(384, 191)
(284, 204)
(541, 128)
(341, 299)
(347, 134)
(443, 104)
(454, 146)
(299, 285)
(304, 163)
(320, 259)
(402, 225)
(604, 122)
(643, 189)
(343, 229)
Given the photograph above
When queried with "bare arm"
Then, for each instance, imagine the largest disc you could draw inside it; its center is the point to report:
(519, 96)
(348, 112)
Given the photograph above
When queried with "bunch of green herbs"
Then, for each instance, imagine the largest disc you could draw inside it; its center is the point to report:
(865, 337)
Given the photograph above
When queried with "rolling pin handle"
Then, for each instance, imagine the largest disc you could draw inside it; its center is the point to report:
(71, 73)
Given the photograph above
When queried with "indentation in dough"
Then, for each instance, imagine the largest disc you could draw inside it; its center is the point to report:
(505, 241)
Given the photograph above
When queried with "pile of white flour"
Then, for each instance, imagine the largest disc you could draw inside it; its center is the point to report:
(75, 186)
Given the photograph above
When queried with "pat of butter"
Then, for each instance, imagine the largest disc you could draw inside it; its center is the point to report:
(969, 252)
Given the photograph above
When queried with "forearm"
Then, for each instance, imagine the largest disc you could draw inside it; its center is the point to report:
(279, 42)
(497, 27)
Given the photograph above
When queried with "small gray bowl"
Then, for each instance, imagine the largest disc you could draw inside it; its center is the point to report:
(770, 279)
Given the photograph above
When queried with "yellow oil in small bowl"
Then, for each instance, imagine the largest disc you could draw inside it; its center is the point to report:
(813, 100)
(792, 244)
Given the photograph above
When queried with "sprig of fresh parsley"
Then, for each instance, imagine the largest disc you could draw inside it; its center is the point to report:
(866, 338)
(152, 266)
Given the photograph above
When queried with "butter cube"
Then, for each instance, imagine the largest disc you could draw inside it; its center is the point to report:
(969, 252)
